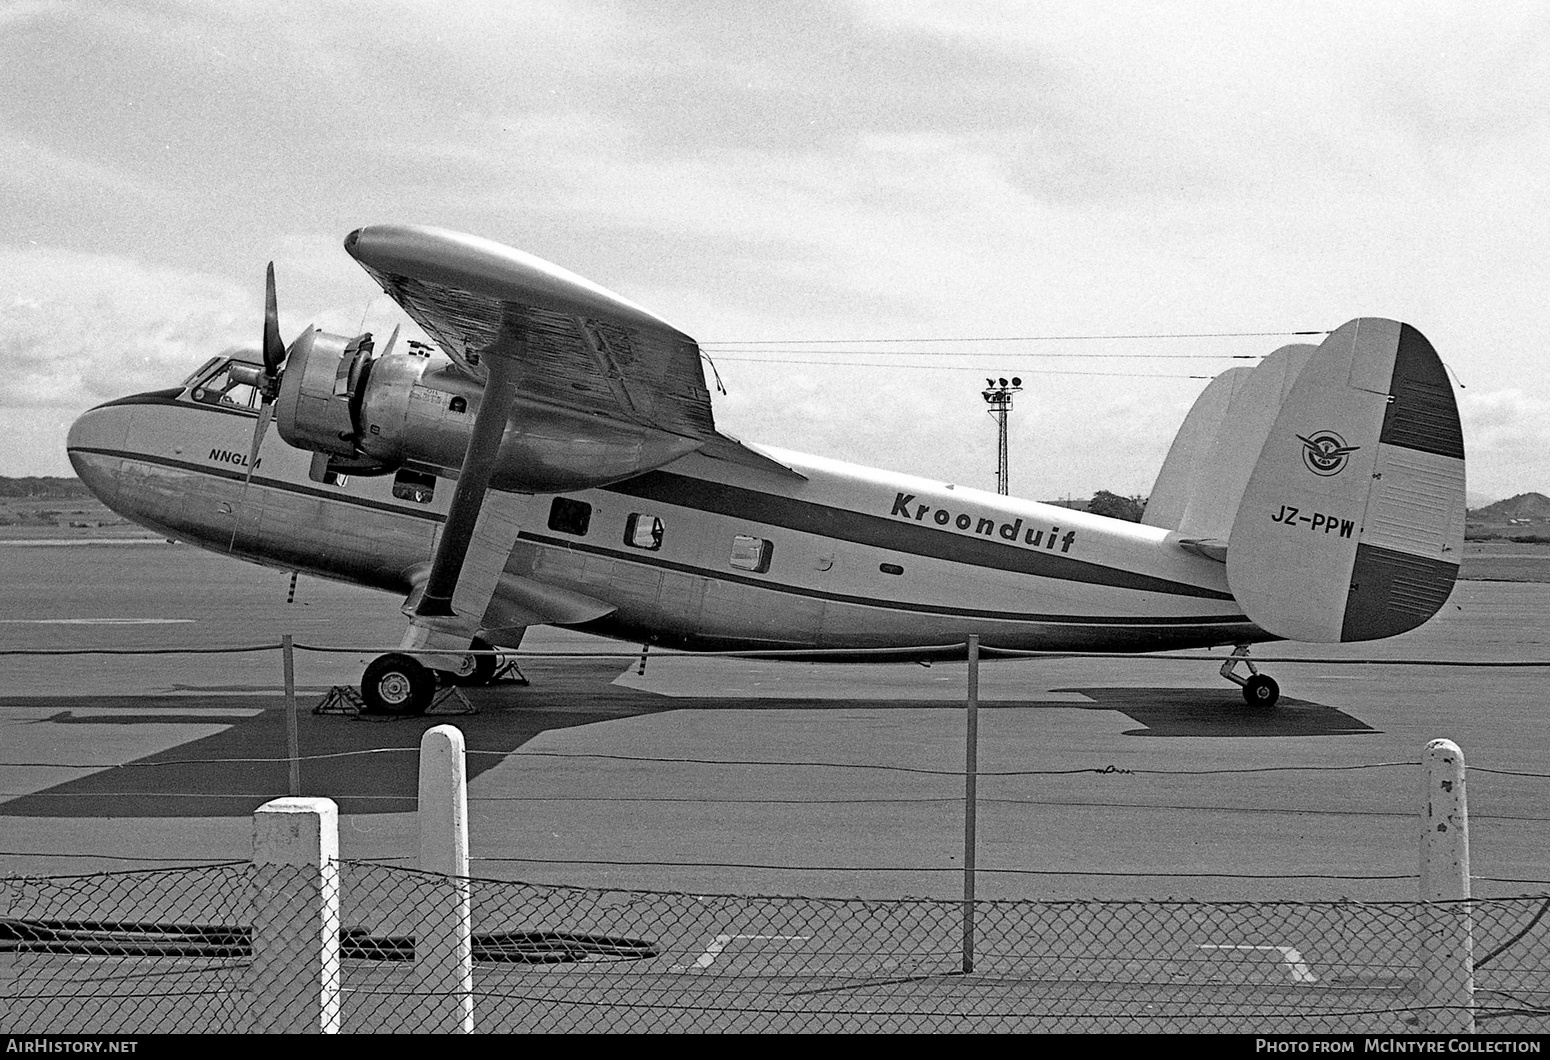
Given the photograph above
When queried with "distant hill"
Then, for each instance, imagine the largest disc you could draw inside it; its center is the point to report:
(1535, 506)
(46, 487)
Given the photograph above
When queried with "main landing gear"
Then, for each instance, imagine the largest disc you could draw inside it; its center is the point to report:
(474, 669)
(1259, 690)
(398, 683)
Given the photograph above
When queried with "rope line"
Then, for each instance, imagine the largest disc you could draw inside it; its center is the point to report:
(1107, 770)
(909, 654)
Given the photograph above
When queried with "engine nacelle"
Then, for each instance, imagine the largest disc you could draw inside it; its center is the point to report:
(415, 410)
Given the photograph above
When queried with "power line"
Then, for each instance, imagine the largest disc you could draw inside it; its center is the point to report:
(740, 355)
(958, 368)
(1020, 338)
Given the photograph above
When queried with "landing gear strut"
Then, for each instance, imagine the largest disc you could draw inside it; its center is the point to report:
(1259, 690)
(475, 669)
(397, 684)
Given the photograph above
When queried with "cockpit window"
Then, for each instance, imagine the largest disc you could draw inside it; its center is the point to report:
(216, 386)
(198, 373)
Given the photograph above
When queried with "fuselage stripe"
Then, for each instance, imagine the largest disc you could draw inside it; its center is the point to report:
(891, 534)
(892, 605)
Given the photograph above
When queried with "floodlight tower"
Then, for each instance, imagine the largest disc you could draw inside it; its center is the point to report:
(998, 395)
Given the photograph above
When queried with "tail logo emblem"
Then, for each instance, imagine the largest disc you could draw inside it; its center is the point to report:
(1325, 452)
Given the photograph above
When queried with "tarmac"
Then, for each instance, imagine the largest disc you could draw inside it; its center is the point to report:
(1099, 778)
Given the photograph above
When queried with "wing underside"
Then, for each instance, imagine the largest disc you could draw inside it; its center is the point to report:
(583, 347)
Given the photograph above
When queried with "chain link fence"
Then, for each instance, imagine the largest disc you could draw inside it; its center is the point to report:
(174, 951)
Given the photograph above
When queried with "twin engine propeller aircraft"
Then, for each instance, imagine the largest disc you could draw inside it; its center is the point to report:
(555, 461)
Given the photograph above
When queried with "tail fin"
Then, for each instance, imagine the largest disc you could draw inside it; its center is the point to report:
(1187, 461)
(1351, 523)
(1208, 466)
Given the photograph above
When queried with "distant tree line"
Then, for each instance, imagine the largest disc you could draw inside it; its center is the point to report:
(1116, 507)
(43, 486)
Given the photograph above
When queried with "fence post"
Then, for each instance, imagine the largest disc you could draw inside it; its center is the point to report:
(443, 948)
(293, 981)
(1447, 930)
(292, 740)
(970, 801)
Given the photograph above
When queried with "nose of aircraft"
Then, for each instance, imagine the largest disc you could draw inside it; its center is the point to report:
(96, 448)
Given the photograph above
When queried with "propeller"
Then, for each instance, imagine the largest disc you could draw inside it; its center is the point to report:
(266, 381)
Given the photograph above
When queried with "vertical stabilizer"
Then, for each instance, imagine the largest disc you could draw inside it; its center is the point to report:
(1352, 522)
(1187, 461)
(1251, 410)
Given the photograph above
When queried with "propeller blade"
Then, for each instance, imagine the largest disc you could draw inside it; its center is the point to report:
(265, 414)
(274, 349)
(391, 339)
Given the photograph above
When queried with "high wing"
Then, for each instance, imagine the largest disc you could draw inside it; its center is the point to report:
(584, 348)
(550, 348)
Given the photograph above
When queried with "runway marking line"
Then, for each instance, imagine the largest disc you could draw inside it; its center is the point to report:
(93, 621)
(1295, 965)
(719, 943)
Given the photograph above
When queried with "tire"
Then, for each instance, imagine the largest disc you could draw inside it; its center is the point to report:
(397, 684)
(480, 670)
(1261, 691)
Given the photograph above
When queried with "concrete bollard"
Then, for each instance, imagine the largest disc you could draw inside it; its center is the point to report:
(1447, 985)
(443, 947)
(293, 981)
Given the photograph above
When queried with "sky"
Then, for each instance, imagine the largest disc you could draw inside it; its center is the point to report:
(783, 180)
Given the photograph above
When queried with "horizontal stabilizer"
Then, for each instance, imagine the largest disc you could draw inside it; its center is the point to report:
(1206, 548)
(1352, 521)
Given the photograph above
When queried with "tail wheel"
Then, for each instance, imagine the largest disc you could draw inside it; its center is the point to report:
(1261, 691)
(476, 669)
(397, 684)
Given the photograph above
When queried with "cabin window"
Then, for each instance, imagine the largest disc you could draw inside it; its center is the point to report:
(570, 517)
(643, 531)
(751, 553)
(890, 568)
(414, 486)
(458, 404)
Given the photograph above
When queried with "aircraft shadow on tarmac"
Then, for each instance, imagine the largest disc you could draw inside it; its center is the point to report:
(1207, 712)
(233, 771)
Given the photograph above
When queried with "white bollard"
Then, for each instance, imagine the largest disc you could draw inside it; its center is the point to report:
(1447, 930)
(443, 947)
(293, 981)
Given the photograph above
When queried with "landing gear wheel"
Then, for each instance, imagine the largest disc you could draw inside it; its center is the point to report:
(397, 684)
(1261, 691)
(476, 669)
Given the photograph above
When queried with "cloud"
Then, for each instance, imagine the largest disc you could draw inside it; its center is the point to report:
(1506, 442)
(76, 329)
(880, 168)
(42, 171)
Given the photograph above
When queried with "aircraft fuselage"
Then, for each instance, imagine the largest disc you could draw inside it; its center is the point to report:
(700, 554)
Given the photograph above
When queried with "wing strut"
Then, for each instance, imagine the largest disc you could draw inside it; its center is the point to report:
(433, 622)
(473, 480)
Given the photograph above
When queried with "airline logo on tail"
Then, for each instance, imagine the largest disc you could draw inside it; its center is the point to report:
(1325, 453)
